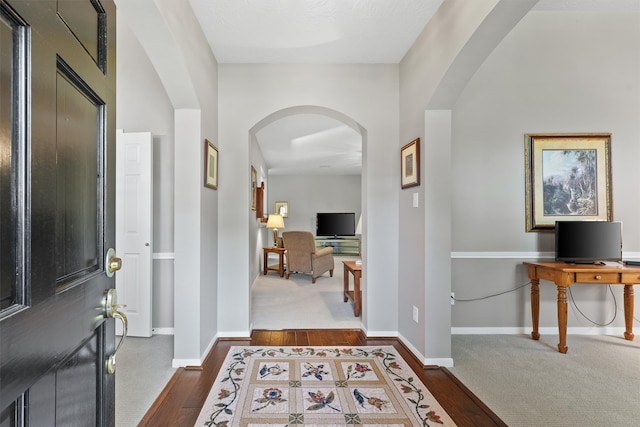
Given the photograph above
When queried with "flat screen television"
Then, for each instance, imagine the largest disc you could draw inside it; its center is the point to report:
(588, 242)
(335, 224)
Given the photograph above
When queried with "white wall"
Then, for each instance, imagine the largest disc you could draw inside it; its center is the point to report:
(171, 38)
(258, 236)
(552, 74)
(143, 106)
(310, 194)
(250, 93)
(431, 75)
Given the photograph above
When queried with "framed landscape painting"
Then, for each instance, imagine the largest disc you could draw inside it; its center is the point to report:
(567, 177)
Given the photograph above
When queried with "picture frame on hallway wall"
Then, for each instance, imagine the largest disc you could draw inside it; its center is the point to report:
(281, 207)
(254, 187)
(210, 165)
(410, 164)
(567, 177)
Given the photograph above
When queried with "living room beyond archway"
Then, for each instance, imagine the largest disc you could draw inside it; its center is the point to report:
(310, 158)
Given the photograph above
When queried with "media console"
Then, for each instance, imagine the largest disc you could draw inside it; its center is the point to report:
(340, 245)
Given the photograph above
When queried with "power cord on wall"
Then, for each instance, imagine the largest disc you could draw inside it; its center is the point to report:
(492, 295)
(573, 302)
(615, 311)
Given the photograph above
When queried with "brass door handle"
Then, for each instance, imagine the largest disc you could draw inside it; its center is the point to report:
(112, 262)
(111, 310)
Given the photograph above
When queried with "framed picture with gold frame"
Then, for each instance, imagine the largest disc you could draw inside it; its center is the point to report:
(410, 164)
(282, 208)
(567, 177)
(210, 165)
(254, 187)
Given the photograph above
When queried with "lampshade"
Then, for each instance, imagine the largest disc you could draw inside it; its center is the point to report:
(275, 221)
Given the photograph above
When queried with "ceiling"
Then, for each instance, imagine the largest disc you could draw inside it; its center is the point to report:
(327, 32)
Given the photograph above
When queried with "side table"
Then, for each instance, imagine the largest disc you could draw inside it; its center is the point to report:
(356, 294)
(281, 252)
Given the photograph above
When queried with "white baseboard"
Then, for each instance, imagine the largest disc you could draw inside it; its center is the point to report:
(236, 334)
(378, 334)
(181, 363)
(447, 362)
(162, 331)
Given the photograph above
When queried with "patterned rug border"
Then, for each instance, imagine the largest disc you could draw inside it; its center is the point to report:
(360, 372)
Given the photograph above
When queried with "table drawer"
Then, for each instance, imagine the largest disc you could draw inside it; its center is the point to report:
(597, 278)
(631, 278)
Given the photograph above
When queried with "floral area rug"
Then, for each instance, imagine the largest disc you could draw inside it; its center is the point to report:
(319, 386)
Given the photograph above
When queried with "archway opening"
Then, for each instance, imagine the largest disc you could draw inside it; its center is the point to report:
(312, 159)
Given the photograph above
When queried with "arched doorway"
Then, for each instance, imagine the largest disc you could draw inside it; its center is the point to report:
(306, 147)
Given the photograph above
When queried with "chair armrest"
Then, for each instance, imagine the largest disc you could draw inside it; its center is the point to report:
(324, 251)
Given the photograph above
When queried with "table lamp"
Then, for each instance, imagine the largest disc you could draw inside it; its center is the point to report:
(275, 221)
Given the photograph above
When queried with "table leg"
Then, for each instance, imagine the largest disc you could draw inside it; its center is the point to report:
(281, 263)
(357, 300)
(628, 312)
(562, 319)
(345, 282)
(264, 262)
(535, 308)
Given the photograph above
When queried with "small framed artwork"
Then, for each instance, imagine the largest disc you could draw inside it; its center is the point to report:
(567, 177)
(210, 165)
(410, 164)
(254, 187)
(281, 208)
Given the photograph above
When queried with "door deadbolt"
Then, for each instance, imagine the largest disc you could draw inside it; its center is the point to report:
(112, 262)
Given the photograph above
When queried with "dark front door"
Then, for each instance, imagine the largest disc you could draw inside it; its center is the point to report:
(57, 175)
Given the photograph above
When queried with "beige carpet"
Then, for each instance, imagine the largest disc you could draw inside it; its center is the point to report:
(278, 303)
(528, 383)
(319, 386)
(143, 370)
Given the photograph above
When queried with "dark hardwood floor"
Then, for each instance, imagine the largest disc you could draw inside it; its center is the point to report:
(181, 401)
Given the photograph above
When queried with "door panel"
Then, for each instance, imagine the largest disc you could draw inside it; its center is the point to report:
(134, 228)
(78, 207)
(58, 158)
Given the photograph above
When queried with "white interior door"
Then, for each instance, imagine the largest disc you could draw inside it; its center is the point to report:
(134, 228)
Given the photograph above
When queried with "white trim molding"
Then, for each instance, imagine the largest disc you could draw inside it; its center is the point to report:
(503, 255)
(164, 255)
(522, 255)
(447, 362)
(236, 334)
(181, 363)
(162, 331)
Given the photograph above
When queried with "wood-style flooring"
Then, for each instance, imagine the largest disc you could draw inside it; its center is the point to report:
(181, 401)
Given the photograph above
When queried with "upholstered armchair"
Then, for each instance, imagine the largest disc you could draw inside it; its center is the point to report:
(303, 257)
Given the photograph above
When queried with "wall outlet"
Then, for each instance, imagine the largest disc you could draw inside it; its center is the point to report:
(415, 314)
(453, 298)
(415, 200)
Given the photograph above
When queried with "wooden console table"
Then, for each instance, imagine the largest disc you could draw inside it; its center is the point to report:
(280, 252)
(565, 275)
(356, 294)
